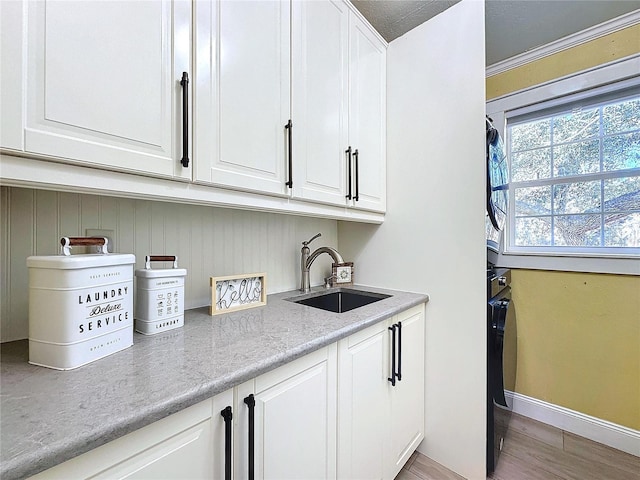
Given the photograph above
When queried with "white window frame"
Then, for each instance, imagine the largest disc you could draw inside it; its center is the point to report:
(618, 74)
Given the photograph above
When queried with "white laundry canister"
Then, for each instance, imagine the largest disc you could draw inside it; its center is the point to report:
(80, 306)
(159, 296)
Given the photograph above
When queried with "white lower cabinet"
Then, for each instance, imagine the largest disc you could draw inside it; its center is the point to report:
(381, 396)
(179, 446)
(365, 414)
(333, 413)
(407, 398)
(294, 429)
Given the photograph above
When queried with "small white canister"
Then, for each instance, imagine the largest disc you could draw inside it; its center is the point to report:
(159, 296)
(80, 306)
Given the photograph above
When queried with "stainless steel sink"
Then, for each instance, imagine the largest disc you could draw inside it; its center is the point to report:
(341, 300)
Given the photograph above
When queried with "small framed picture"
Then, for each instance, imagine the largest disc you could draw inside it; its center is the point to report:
(342, 274)
(237, 292)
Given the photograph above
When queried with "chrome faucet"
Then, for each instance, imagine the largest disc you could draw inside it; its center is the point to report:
(306, 259)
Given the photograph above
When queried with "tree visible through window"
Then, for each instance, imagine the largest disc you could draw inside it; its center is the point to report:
(575, 178)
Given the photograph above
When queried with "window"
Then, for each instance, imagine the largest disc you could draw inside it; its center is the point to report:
(575, 175)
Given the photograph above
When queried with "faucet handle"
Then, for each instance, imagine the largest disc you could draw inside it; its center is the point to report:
(312, 239)
(328, 281)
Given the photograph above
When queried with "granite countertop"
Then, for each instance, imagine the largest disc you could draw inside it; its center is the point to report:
(49, 416)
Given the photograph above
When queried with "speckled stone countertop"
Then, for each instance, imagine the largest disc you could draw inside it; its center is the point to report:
(49, 416)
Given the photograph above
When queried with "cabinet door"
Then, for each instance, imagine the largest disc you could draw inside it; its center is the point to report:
(179, 446)
(103, 83)
(11, 95)
(320, 100)
(242, 95)
(363, 403)
(367, 115)
(407, 397)
(295, 412)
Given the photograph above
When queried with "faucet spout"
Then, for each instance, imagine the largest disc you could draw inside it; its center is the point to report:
(337, 258)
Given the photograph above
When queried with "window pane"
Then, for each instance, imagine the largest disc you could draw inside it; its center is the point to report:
(578, 197)
(576, 158)
(622, 194)
(531, 135)
(575, 175)
(576, 125)
(577, 230)
(533, 231)
(621, 117)
(531, 165)
(622, 230)
(533, 201)
(621, 151)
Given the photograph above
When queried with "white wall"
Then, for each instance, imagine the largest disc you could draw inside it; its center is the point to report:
(432, 240)
(208, 241)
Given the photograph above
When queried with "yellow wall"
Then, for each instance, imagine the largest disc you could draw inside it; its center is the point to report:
(578, 333)
(579, 342)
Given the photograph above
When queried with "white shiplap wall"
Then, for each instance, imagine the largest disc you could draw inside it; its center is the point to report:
(208, 241)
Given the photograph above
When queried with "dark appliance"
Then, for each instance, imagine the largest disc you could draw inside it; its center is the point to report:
(501, 326)
(501, 360)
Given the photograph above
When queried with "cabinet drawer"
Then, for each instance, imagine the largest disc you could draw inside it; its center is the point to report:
(179, 446)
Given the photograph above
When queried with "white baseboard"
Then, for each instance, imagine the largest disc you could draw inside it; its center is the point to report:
(601, 431)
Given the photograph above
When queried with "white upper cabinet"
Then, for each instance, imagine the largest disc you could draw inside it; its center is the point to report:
(282, 105)
(339, 114)
(320, 100)
(367, 116)
(12, 56)
(103, 83)
(242, 94)
(260, 64)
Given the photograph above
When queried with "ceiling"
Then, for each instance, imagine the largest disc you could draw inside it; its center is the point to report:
(512, 26)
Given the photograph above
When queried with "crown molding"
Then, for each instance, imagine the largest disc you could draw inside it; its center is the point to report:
(570, 41)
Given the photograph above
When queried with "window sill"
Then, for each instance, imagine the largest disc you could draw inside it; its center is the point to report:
(618, 265)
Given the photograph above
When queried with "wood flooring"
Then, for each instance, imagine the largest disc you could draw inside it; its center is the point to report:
(536, 451)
